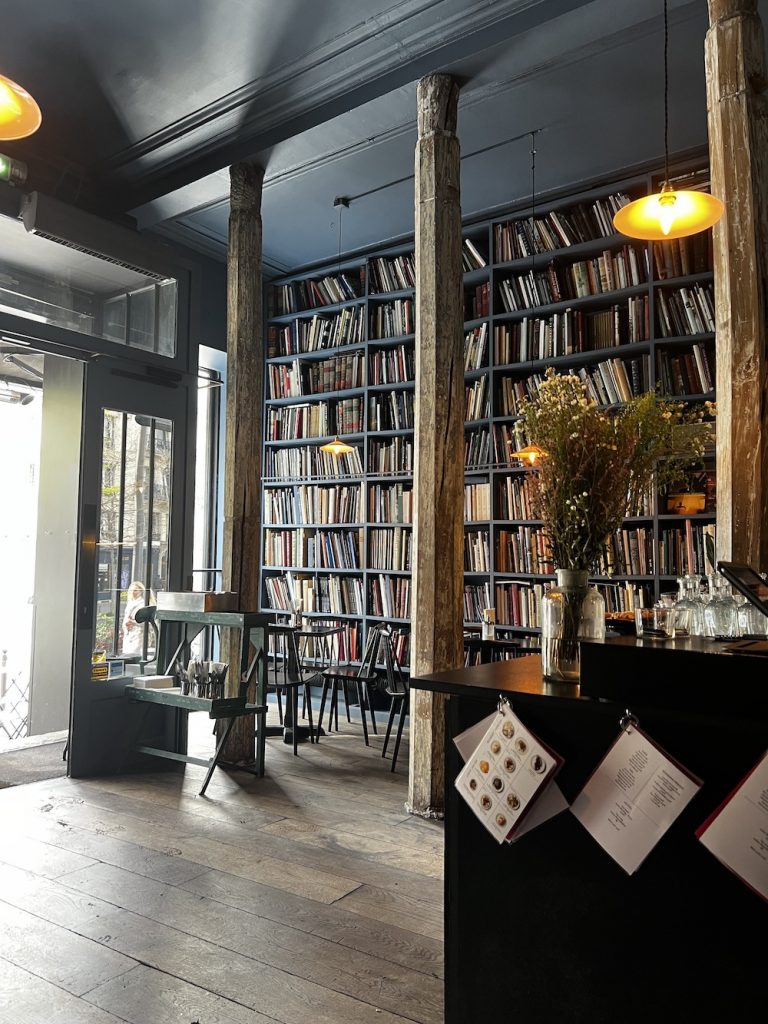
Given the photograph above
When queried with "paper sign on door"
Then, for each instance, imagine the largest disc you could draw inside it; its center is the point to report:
(633, 797)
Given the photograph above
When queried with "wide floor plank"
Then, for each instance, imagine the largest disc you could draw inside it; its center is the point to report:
(368, 978)
(307, 897)
(27, 999)
(55, 954)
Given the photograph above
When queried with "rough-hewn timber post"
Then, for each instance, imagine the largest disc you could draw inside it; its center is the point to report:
(245, 401)
(738, 149)
(437, 615)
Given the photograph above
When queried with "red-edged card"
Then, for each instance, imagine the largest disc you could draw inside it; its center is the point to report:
(737, 832)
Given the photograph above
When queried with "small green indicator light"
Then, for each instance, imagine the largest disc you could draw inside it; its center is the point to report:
(5, 168)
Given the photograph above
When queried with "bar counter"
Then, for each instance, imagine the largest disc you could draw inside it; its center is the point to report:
(550, 928)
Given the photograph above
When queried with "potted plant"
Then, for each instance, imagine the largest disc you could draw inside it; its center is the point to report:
(595, 467)
(689, 496)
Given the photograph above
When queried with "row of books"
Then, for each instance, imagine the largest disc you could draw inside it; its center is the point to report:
(685, 373)
(308, 461)
(391, 457)
(317, 419)
(628, 553)
(598, 276)
(684, 311)
(477, 502)
(557, 229)
(309, 293)
(523, 549)
(477, 551)
(516, 496)
(392, 365)
(607, 272)
(477, 596)
(476, 348)
(313, 548)
(347, 327)
(683, 256)
(608, 383)
(293, 380)
(392, 319)
(477, 301)
(673, 555)
(392, 410)
(389, 596)
(392, 273)
(390, 503)
(571, 332)
(519, 604)
(625, 597)
(477, 448)
(390, 548)
(476, 399)
(311, 503)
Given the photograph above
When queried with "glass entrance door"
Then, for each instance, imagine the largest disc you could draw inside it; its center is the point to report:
(135, 540)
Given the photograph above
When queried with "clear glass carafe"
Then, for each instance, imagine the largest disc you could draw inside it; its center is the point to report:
(689, 599)
(752, 622)
(570, 611)
(721, 614)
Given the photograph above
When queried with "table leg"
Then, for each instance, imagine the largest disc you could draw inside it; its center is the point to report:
(215, 758)
(261, 696)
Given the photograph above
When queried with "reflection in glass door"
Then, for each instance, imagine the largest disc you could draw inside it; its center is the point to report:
(132, 544)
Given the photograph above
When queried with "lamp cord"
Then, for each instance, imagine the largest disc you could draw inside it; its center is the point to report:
(666, 95)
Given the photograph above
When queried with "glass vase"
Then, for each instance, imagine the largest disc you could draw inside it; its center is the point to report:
(570, 611)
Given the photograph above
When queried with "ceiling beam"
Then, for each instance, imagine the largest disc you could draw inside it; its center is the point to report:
(268, 127)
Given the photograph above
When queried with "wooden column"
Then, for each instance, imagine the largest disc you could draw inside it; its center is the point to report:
(738, 147)
(438, 569)
(245, 405)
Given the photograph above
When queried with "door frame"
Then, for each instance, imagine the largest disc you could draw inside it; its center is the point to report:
(101, 719)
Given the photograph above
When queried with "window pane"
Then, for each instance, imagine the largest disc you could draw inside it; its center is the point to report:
(134, 522)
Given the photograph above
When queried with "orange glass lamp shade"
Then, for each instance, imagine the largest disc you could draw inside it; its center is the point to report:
(530, 454)
(336, 447)
(19, 114)
(668, 214)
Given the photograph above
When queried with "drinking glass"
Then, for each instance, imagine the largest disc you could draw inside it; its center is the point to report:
(655, 623)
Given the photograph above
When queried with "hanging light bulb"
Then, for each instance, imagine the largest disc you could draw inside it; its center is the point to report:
(670, 213)
(337, 447)
(19, 114)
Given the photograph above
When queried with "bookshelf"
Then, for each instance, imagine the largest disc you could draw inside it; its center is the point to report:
(565, 292)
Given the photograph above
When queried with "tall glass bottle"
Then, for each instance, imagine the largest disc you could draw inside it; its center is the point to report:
(721, 615)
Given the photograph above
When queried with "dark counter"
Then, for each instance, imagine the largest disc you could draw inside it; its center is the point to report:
(551, 928)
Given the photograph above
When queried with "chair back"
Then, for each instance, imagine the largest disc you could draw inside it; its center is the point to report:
(396, 685)
(283, 655)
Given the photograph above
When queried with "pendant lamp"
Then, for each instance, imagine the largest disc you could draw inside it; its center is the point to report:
(530, 454)
(670, 213)
(338, 447)
(19, 114)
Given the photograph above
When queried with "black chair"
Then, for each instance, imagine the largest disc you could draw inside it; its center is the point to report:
(362, 678)
(285, 674)
(397, 689)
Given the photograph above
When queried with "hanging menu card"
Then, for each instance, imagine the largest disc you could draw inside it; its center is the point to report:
(505, 774)
(633, 797)
(737, 833)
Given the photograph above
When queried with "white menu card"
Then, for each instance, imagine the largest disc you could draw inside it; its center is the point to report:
(633, 797)
(737, 833)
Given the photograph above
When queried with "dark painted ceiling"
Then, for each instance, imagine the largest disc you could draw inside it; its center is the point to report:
(146, 103)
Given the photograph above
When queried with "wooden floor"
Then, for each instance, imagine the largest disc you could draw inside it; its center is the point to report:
(307, 897)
